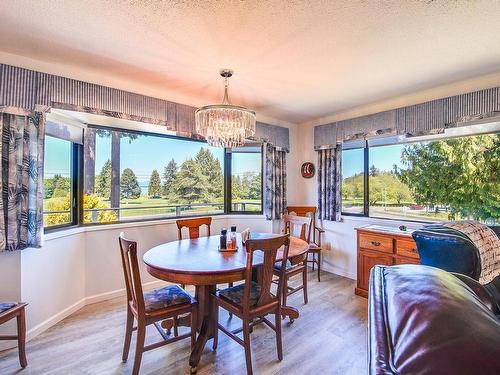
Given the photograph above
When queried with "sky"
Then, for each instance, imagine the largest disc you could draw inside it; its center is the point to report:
(142, 155)
(383, 157)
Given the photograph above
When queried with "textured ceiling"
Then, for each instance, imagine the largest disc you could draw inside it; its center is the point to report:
(293, 60)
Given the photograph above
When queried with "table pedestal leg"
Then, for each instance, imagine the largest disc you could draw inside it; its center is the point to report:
(205, 319)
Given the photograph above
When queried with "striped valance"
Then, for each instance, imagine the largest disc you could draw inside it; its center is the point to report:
(29, 90)
(276, 135)
(431, 117)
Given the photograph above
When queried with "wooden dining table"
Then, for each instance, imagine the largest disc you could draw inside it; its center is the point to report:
(199, 262)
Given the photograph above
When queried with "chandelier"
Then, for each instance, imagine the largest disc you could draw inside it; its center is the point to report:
(225, 125)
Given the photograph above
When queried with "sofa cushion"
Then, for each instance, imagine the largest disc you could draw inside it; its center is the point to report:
(423, 320)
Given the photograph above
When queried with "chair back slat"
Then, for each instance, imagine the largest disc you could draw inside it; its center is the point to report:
(298, 226)
(128, 251)
(269, 248)
(309, 211)
(193, 226)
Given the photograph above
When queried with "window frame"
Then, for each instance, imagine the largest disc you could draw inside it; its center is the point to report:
(76, 180)
(228, 203)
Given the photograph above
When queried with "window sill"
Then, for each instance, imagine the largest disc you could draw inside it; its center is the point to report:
(52, 235)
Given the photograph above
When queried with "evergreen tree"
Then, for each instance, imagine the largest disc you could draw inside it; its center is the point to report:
(169, 177)
(255, 189)
(211, 168)
(61, 186)
(154, 188)
(129, 186)
(103, 181)
(191, 184)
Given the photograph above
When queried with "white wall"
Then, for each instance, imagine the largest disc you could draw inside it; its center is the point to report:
(81, 266)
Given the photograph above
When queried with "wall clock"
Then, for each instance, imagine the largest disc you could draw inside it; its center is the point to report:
(307, 170)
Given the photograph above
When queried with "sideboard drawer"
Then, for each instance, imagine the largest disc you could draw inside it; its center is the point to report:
(375, 242)
(406, 248)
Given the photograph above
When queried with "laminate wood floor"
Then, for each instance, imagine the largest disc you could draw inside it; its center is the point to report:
(330, 337)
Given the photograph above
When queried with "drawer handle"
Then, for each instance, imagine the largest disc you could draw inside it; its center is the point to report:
(375, 243)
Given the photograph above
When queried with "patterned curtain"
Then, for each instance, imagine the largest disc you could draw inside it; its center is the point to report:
(329, 174)
(275, 188)
(21, 218)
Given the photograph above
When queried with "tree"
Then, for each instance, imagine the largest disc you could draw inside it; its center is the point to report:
(154, 188)
(103, 181)
(169, 177)
(373, 171)
(129, 186)
(90, 201)
(60, 186)
(255, 190)
(461, 173)
(211, 168)
(191, 184)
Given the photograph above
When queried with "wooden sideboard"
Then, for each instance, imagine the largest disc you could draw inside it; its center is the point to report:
(382, 245)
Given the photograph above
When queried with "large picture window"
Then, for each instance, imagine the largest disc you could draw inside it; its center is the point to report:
(445, 179)
(131, 176)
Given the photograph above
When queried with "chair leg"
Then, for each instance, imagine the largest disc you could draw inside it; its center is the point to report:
(128, 334)
(246, 341)
(139, 347)
(215, 323)
(176, 326)
(21, 338)
(230, 285)
(194, 324)
(314, 259)
(285, 292)
(304, 283)
(319, 266)
(279, 345)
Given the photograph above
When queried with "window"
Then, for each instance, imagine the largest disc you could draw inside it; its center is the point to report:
(59, 205)
(158, 177)
(353, 181)
(129, 176)
(444, 179)
(246, 179)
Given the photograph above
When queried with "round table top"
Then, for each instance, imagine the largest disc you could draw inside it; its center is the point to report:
(199, 261)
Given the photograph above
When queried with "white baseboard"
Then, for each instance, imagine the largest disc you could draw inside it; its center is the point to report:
(56, 318)
(338, 271)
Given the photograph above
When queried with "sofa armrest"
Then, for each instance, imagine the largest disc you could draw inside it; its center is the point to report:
(481, 292)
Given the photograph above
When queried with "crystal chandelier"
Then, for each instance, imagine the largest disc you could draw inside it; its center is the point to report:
(225, 125)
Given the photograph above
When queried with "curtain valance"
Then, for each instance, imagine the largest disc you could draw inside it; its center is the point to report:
(28, 89)
(275, 135)
(427, 118)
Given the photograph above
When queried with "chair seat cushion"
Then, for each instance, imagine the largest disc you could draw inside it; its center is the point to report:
(289, 265)
(4, 306)
(165, 297)
(235, 293)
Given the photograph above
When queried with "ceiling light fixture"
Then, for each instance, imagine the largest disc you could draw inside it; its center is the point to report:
(225, 125)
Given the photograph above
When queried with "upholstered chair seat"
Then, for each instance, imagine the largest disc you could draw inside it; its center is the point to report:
(4, 306)
(235, 294)
(171, 295)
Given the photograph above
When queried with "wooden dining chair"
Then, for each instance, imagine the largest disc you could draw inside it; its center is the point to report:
(150, 307)
(253, 300)
(315, 231)
(297, 226)
(11, 310)
(193, 226)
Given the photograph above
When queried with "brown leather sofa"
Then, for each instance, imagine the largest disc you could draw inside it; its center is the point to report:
(424, 320)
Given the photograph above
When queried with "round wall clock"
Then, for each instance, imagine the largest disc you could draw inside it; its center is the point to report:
(307, 170)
